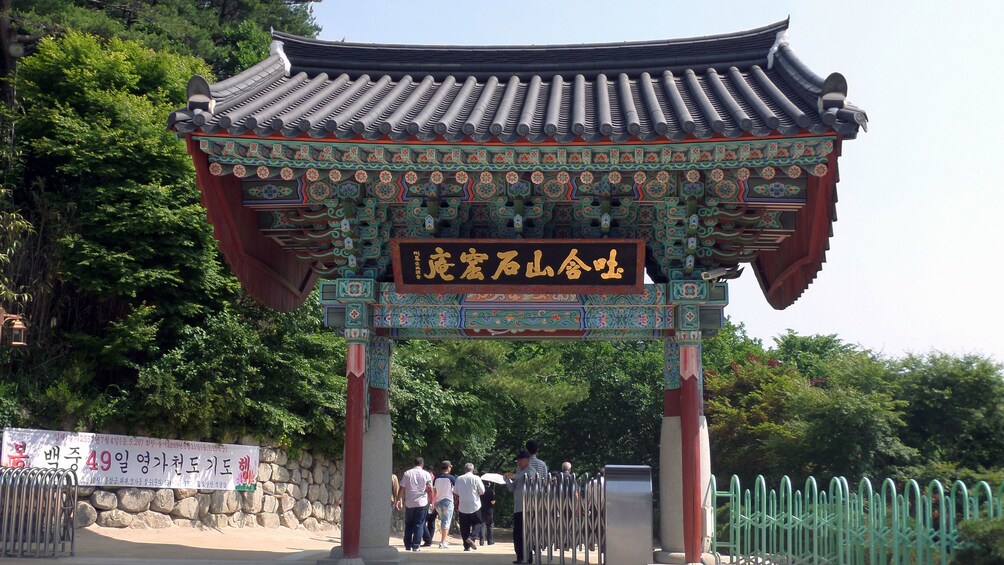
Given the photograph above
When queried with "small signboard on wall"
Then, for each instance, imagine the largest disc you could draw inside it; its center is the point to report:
(600, 266)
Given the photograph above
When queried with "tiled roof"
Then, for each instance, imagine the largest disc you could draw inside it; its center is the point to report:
(741, 84)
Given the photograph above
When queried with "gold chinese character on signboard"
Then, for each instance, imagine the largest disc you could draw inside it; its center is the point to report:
(507, 264)
(439, 265)
(611, 265)
(533, 268)
(572, 266)
(473, 260)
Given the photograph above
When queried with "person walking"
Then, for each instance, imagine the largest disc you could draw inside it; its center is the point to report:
(445, 484)
(469, 491)
(538, 465)
(566, 471)
(515, 482)
(487, 515)
(395, 513)
(429, 528)
(414, 492)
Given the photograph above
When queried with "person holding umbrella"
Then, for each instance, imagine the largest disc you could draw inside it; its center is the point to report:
(488, 507)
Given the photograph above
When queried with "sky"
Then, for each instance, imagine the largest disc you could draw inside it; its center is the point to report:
(915, 255)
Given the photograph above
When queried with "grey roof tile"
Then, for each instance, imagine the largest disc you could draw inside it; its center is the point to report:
(702, 87)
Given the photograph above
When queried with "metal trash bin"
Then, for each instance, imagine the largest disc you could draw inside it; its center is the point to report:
(628, 514)
(36, 511)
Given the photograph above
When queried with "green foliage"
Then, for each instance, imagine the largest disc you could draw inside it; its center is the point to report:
(249, 372)
(14, 228)
(841, 432)
(620, 421)
(218, 31)
(947, 472)
(823, 409)
(731, 345)
(982, 542)
(809, 354)
(11, 412)
(955, 408)
(748, 406)
(248, 43)
(473, 400)
(144, 329)
(121, 228)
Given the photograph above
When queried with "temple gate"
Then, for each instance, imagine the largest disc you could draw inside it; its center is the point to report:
(522, 193)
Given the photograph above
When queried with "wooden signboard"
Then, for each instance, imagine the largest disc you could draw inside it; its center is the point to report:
(465, 266)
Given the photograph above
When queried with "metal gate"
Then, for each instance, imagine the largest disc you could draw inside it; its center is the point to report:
(565, 517)
(36, 512)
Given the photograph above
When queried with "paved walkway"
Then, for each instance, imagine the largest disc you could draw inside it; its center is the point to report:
(244, 546)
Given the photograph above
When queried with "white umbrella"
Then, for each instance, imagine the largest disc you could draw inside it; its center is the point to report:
(493, 478)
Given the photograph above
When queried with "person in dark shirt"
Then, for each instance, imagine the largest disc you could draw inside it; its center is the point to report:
(430, 519)
(487, 515)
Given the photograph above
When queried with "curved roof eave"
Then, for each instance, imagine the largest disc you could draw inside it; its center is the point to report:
(784, 274)
(742, 85)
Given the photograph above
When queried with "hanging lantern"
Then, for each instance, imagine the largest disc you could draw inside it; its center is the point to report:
(13, 331)
(18, 333)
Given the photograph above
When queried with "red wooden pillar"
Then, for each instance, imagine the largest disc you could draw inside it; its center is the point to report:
(355, 427)
(357, 295)
(691, 410)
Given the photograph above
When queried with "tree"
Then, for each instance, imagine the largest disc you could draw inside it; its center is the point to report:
(747, 406)
(731, 344)
(841, 432)
(136, 320)
(954, 409)
(828, 411)
(177, 26)
(809, 354)
(474, 400)
(249, 371)
(13, 228)
(620, 420)
(122, 239)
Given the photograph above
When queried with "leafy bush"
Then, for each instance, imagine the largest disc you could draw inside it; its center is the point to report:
(982, 543)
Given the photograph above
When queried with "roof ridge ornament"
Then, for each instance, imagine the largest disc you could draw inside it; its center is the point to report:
(834, 92)
(275, 48)
(200, 99)
(779, 42)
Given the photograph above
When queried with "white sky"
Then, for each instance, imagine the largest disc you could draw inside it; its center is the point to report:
(915, 259)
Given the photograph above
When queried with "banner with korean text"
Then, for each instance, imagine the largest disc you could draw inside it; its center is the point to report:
(113, 460)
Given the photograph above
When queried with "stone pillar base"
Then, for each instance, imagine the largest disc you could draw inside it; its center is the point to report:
(680, 559)
(367, 556)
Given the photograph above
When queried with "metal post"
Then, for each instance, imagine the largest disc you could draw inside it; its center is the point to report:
(628, 514)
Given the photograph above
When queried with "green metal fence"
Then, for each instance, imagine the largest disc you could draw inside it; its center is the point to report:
(840, 526)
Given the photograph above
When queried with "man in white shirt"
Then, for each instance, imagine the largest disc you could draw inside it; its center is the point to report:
(414, 491)
(469, 491)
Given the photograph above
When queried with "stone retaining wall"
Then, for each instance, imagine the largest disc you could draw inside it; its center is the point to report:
(305, 490)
